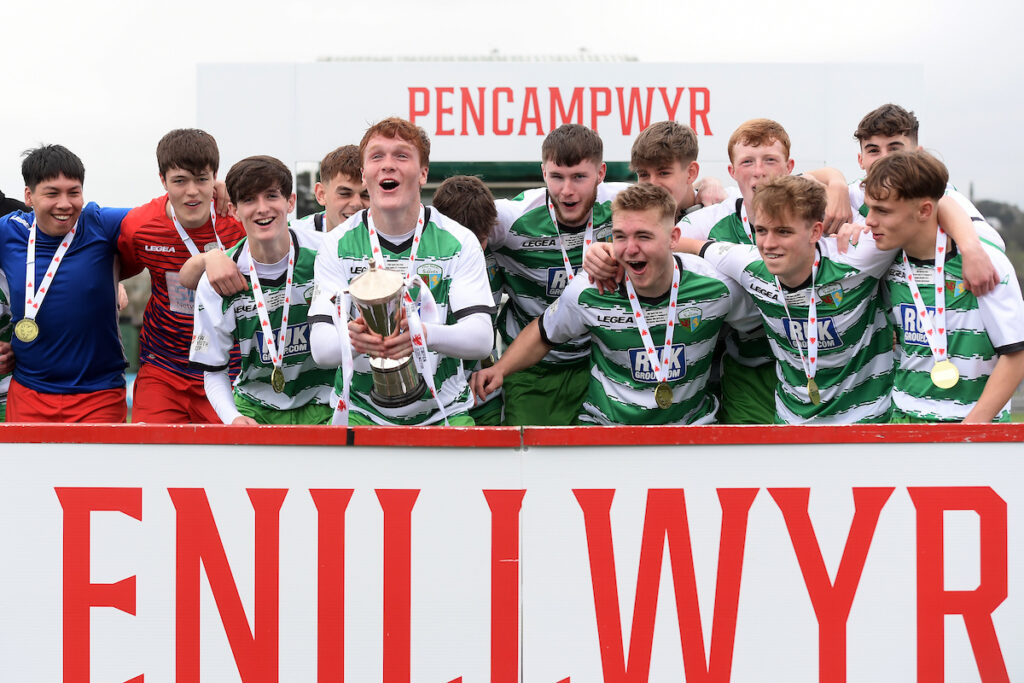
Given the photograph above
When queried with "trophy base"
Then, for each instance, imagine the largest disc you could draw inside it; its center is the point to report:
(395, 382)
(399, 401)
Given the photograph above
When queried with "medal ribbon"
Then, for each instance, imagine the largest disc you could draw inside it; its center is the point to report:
(934, 327)
(342, 304)
(810, 365)
(34, 298)
(588, 238)
(186, 238)
(741, 213)
(426, 302)
(276, 350)
(660, 368)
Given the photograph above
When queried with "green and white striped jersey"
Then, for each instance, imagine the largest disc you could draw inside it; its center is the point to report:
(6, 329)
(986, 232)
(855, 360)
(979, 329)
(622, 379)
(727, 222)
(450, 262)
(525, 243)
(222, 321)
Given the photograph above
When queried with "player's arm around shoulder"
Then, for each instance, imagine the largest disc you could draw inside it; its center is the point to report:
(561, 320)
(864, 255)
(743, 314)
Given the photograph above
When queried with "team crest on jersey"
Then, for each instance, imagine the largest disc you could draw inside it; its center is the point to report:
(308, 294)
(296, 342)
(797, 333)
(210, 246)
(492, 272)
(831, 295)
(643, 370)
(430, 273)
(689, 318)
(558, 280)
(955, 287)
(910, 321)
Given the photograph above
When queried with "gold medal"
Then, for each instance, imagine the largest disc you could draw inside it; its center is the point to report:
(26, 330)
(277, 380)
(945, 375)
(663, 395)
(812, 391)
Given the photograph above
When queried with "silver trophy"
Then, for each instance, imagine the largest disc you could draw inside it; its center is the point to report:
(378, 296)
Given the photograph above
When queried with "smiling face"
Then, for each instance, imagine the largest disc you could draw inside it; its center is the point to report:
(57, 203)
(642, 244)
(880, 146)
(392, 173)
(754, 164)
(573, 189)
(787, 246)
(190, 195)
(342, 198)
(264, 216)
(674, 177)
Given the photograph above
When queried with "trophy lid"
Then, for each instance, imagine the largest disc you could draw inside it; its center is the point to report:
(376, 286)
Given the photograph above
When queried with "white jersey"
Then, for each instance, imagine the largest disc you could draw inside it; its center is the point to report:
(622, 379)
(526, 245)
(450, 262)
(979, 330)
(854, 365)
(222, 321)
(314, 222)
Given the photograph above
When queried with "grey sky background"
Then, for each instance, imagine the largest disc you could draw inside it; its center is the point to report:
(107, 79)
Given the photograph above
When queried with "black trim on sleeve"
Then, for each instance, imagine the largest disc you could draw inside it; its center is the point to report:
(193, 365)
(1010, 348)
(314, 319)
(466, 312)
(977, 219)
(705, 247)
(543, 336)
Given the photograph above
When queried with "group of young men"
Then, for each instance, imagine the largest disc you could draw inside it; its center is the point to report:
(792, 299)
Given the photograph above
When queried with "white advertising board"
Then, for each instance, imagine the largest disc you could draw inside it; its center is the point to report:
(501, 111)
(504, 560)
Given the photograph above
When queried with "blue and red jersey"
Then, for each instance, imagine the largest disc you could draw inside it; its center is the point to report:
(150, 241)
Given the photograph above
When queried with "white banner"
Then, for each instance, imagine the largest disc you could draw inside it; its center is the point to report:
(870, 561)
(501, 111)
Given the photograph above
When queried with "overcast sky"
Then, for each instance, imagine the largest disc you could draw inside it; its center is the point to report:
(107, 79)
